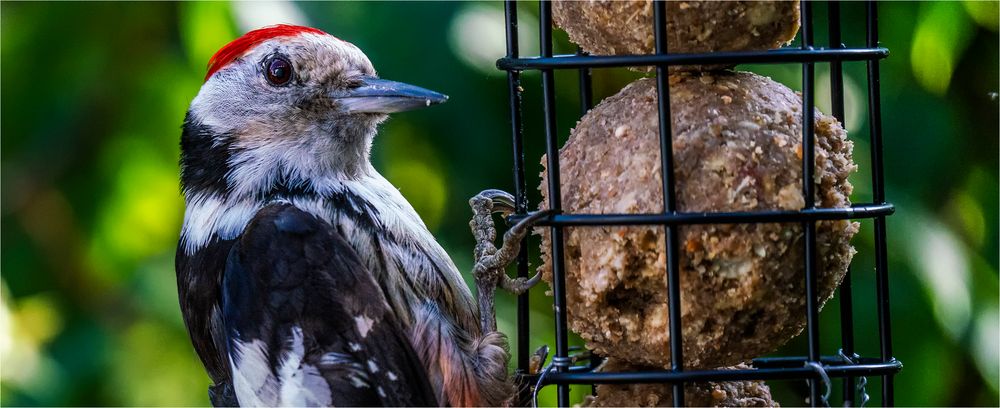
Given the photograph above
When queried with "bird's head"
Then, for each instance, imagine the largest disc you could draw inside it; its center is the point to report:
(287, 104)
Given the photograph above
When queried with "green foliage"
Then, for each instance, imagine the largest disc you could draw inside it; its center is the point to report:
(93, 96)
(935, 51)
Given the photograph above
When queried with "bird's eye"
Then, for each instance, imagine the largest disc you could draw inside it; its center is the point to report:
(278, 71)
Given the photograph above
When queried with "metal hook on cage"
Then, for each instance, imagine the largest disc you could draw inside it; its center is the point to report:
(817, 367)
(862, 381)
(555, 362)
(538, 384)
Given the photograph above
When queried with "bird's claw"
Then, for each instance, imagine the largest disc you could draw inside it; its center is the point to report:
(490, 260)
(500, 201)
(518, 286)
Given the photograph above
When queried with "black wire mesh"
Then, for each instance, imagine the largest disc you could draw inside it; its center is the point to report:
(814, 367)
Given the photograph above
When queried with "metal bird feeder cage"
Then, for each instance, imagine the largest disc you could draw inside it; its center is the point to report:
(815, 368)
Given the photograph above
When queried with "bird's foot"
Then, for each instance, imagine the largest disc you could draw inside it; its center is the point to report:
(490, 260)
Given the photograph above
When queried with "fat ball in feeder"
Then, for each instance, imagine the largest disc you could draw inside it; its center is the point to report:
(707, 394)
(737, 147)
(624, 27)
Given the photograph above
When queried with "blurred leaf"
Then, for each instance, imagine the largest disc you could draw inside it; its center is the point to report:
(38, 318)
(942, 266)
(205, 27)
(969, 217)
(987, 345)
(935, 50)
(477, 36)
(25, 329)
(413, 166)
(985, 13)
(154, 292)
(155, 366)
(423, 187)
(143, 210)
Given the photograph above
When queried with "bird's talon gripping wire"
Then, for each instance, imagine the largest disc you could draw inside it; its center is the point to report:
(498, 201)
(512, 241)
(518, 286)
(491, 261)
(503, 202)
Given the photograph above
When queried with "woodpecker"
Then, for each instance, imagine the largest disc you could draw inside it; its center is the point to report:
(304, 276)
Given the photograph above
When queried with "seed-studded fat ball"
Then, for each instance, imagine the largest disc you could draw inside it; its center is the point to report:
(626, 26)
(737, 147)
(708, 394)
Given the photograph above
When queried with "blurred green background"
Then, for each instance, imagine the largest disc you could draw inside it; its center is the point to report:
(93, 95)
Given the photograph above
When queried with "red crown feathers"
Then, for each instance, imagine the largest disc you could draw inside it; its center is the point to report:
(240, 46)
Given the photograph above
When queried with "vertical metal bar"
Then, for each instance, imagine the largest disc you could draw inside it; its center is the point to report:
(555, 198)
(808, 192)
(669, 199)
(878, 187)
(837, 102)
(520, 196)
(595, 361)
(586, 87)
(587, 102)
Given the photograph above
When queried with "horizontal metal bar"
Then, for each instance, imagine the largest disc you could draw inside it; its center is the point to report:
(667, 376)
(859, 211)
(763, 362)
(779, 56)
(797, 361)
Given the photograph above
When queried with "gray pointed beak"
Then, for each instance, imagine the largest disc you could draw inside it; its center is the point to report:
(376, 95)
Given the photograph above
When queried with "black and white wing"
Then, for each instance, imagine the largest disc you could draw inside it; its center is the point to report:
(307, 325)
